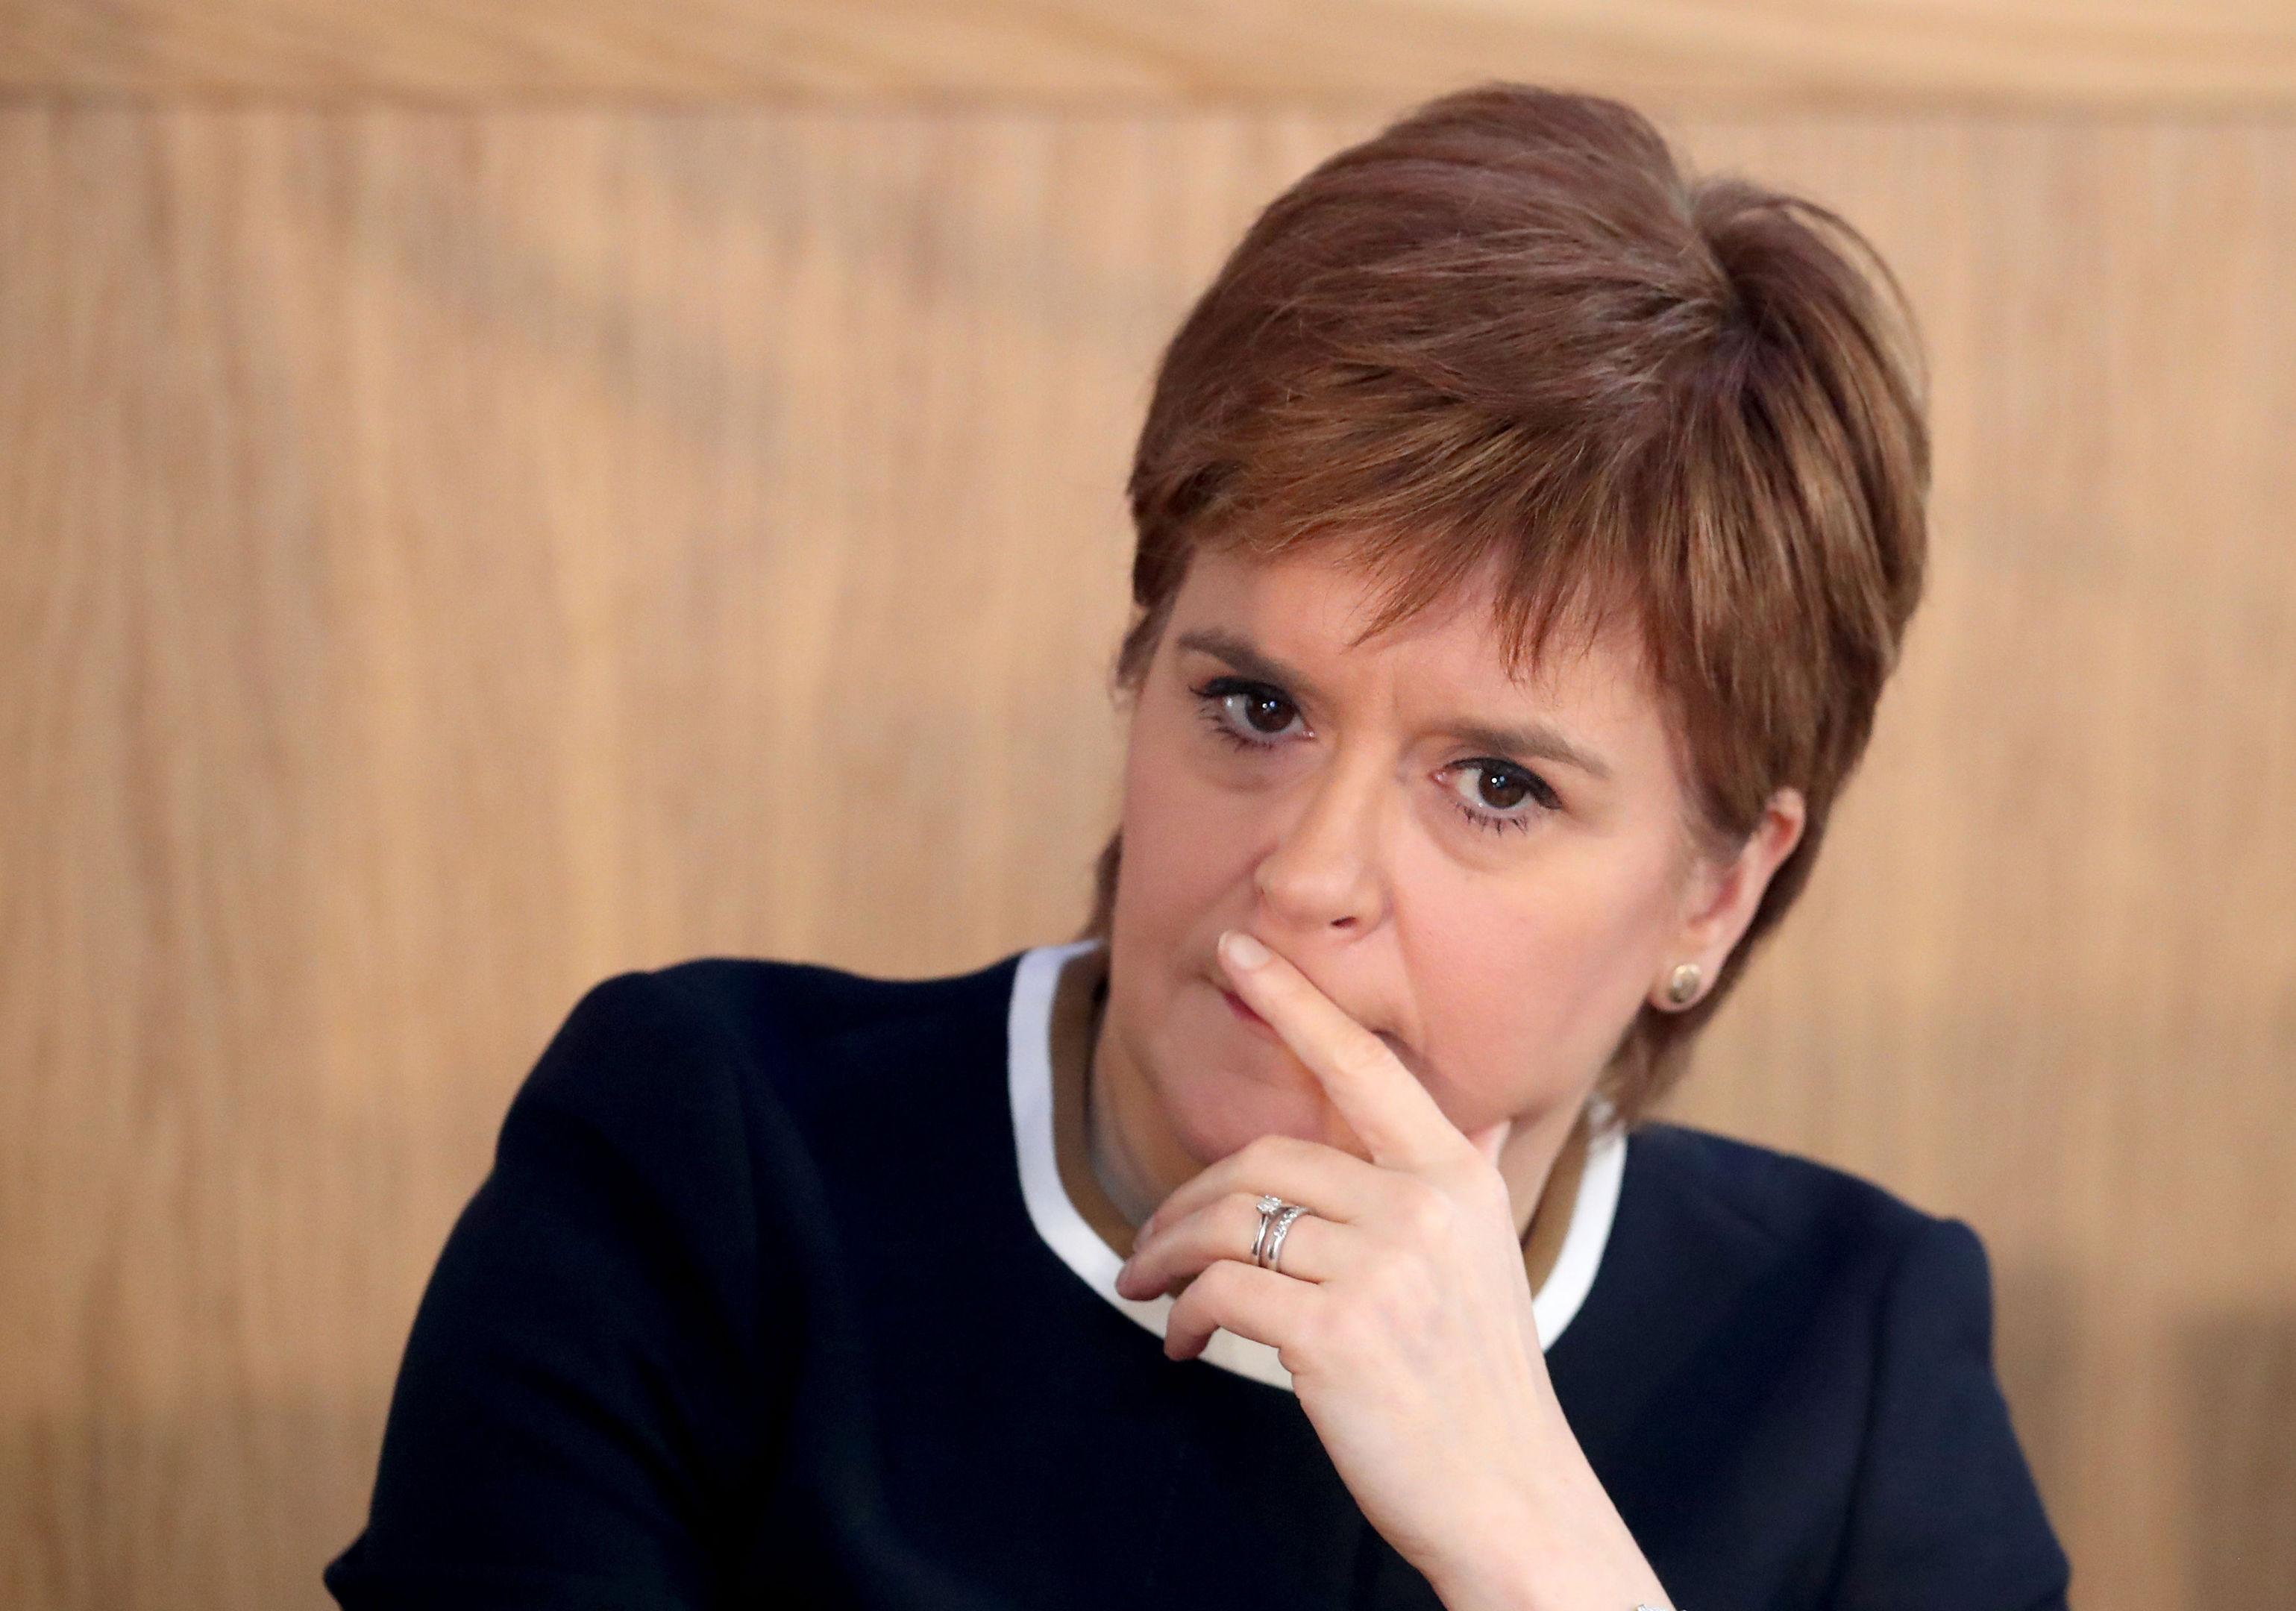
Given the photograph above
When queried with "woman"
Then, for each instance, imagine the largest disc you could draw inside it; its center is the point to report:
(1525, 534)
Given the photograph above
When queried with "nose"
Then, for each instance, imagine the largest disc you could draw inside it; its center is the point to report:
(1325, 871)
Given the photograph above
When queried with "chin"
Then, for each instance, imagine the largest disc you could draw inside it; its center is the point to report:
(1224, 1086)
(1218, 1124)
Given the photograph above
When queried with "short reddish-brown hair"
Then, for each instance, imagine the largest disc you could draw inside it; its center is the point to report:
(1509, 331)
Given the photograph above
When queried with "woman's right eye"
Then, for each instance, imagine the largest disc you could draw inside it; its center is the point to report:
(1248, 713)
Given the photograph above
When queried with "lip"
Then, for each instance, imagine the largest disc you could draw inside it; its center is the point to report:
(1404, 1054)
(1251, 1019)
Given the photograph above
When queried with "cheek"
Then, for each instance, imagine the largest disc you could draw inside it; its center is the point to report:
(1525, 991)
(1190, 848)
(1188, 845)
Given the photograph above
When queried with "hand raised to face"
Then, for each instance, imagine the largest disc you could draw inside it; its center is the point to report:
(1401, 1308)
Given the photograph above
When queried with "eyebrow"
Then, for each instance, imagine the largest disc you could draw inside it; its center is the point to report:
(1537, 742)
(1248, 661)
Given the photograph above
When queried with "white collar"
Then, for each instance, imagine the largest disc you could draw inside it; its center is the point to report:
(1029, 1035)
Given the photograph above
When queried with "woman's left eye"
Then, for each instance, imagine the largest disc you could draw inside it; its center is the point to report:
(1501, 794)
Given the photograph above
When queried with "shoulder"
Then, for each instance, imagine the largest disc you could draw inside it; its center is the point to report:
(696, 1104)
(1722, 1248)
(1786, 1332)
(761, 1010)
(722, 1029)
(682, 1103)
(1754, 1197)
(611, 1340)
(1816, 1242)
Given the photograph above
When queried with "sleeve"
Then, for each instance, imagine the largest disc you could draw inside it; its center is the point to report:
(1944, 1515)
(594, 1387)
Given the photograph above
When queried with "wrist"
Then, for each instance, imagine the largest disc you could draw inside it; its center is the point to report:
(1564, 1548)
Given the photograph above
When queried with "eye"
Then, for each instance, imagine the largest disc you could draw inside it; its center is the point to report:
(1248, 713)
(1498, 794)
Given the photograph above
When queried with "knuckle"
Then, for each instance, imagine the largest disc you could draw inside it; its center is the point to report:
(1216, 1285)
(1426, 1212)
(1485, 1188)
(1261, 1154)
(1286, 1151)
(1361, 1057)
(1306, 1344)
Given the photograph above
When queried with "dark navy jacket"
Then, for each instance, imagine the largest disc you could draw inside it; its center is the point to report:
(751, 1312)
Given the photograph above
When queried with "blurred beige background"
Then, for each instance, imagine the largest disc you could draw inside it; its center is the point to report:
(494, 496)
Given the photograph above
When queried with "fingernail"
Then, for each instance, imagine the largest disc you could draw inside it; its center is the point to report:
(1240, 948)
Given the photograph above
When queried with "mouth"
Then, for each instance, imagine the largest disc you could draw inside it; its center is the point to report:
(1404, 1054)
(1251, 1019)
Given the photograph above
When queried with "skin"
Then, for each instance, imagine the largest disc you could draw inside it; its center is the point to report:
(1385, 911)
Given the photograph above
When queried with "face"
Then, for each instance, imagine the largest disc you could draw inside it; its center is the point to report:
(1491, 872)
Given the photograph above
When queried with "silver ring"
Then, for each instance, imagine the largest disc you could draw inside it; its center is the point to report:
(1269, 1206)
(1282, 1228)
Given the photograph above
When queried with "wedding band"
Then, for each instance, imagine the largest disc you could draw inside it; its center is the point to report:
(1282, 1228)
(1269, 1207)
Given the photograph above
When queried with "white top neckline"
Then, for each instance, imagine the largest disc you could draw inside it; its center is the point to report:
(1094, 1263)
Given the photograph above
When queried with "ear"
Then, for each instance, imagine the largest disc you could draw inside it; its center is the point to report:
(1720, 900)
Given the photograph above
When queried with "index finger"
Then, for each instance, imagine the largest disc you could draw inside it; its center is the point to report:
(1379, 1099)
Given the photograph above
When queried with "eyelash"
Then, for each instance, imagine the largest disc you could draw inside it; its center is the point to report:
(1212, 699)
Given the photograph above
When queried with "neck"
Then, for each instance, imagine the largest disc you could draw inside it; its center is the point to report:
(1137, 1159)
(1528, 1160)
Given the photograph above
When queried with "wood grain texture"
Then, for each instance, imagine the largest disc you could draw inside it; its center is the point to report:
(451, 556)
(2192, 53)
(2045, 980)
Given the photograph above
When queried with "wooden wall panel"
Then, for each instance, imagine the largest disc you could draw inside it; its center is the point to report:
(2190, 54)
(2048, 976)
(451, 556)
(451, 559)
